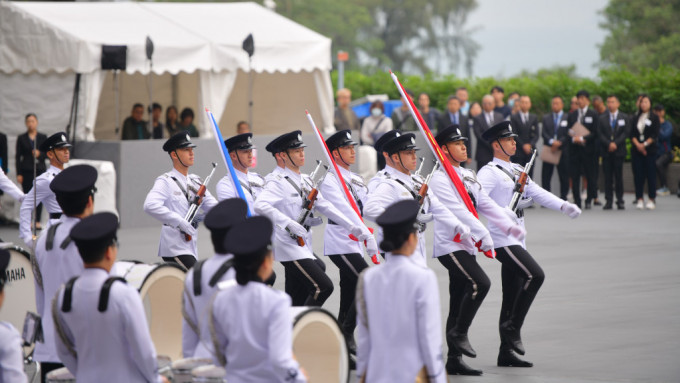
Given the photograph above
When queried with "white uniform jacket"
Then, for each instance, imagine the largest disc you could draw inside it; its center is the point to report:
(11, 355)
(43, 195)
(336, 238)
(56, 266)
(499, 186)
(282, 203)
(443, 187)
(252, 327)
(196, 340)
(110, 346)
(251, 183)
(168, 203)
(9, 187)
(398, 321)
(275, 174)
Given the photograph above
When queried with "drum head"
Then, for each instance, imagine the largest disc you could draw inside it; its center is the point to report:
(19, 290)
(319, 345)
(60, 375)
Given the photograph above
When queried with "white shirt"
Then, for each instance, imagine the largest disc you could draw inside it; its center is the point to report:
(501, 188)
(56, 266)
(196, 308)
(11, 355)
(403, 330)
(389, 190)
(251, 183)
(9, 187)
(282, 203)
(253, 330)
(113, 346)
(336, 238)
(167, 203)
(43, 195)
(448, 195)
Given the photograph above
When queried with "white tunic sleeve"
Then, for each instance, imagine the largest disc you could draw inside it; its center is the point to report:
(429, 328)
(280, 341)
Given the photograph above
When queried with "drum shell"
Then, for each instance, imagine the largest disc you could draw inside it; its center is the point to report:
(60, 375)
(19, 290)
(209, 374)
(182, 368)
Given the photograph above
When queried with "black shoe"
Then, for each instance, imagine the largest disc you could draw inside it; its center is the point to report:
(507, 358)
(352, 362)
(510, 335)
(621, 205)
(456, 366)
(607, 206)
(461, 343)
(587, 205)
(597, 202)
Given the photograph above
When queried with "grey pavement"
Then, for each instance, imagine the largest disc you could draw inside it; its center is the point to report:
(609, 310)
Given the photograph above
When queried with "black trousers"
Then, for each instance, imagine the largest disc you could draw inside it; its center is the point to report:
(468, 286)
(613, 177)
(349, 265)
(582, 163)
(562, 174)
(644, 169)
(27, 185)
(187, 261)
(45, 369)
(307, 282)
(662, 167)
(521, 277)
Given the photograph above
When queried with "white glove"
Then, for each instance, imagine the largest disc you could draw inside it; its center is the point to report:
(487, 243)
(313, 221)
(296, 229)
(517, 231)
(372, 246)
(511, 214)
(424, 217)
(571, 210)
(187, 228)
(525, 202)
(464, 231)
(361, 233)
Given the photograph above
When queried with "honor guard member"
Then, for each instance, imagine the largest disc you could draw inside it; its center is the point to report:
(201, 281)
(169, 201)
(241, 152)
(57, 148)
(521, 275)
(9, 187)
(397, 184)
(281, 201)
(345, 253)
(102, 331)
(56, 255)
(399, 325)
(373, 182)
(468, 283)
(280, 164)
(250, 321)
(11, 353)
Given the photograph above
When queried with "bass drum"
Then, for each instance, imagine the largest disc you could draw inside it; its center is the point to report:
(19, 289)
(160, 287)
(319, 345)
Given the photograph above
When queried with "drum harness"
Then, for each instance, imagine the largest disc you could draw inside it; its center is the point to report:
(197, 272)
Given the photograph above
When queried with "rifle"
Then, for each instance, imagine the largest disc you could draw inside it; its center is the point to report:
(422, 191)
(416, 175)
(308, 203)
(198, 201)
(521, 183)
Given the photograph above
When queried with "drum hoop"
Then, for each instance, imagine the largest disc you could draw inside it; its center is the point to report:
(20, 250)
(158, 267)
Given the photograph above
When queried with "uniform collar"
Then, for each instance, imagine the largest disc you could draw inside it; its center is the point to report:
(54, 170)
(66, 219)
(394, 173)
(398, 259)
(174, 172)
(291, 174)
(241, 175)
(505, 164)
(94, 273)
(346, 174)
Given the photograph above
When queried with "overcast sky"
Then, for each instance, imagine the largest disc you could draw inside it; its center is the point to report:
(534, 34)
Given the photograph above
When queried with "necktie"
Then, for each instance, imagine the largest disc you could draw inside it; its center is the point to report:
(455, 118)
(613, 123)
(557, 120)
(490, 117)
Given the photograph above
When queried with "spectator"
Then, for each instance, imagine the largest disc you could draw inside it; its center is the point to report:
(401, 117)
(573, 106)
(555, 138)
(26, 143)
(498, 94)
(430, 115)
(513, 99)
(156, 110)
(134, 128)
(345, 118)
(487, 119)
(375, 125)
(4, 161)
(242, 127)
(644, 135)
(475, 110)
(187, 122)
(613, 129)
(171, 124)
(582, 149)
(664, 155)
(598, 105)
(454, 116)
(462, 96)
(525, 125)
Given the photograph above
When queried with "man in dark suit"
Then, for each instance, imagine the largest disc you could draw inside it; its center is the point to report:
(582, 149)
(453, 116)
(555, 138)
(613, 128)
(525, 124)
(488, 118)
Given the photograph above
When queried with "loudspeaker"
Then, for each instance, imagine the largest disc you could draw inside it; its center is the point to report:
(114, 57)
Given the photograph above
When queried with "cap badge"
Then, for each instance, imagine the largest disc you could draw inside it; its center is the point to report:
(397, 134)
(510, 128)
(413, 140)
(349, 136)
(299, 137)
(188, 138)
(63, 138)
(250, 140)
(458, 132)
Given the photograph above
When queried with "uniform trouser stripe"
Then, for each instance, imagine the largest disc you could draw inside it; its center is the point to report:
(317, 290)
(521, 266)
(467, 275)
(349, 264)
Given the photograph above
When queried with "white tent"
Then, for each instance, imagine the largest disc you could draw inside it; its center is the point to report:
(198, 61)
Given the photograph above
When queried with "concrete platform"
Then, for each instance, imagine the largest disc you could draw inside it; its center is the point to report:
(609, 310)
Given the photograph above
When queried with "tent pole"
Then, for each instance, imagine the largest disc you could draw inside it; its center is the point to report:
(73, 117)
(116, 90)
(250, 92)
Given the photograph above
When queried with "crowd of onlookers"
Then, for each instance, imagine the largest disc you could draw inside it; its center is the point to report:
(592, 132)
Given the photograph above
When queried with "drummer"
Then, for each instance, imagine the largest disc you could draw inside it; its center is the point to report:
(250, 322)
(56, 255)
(103, 333)
(400, 297)
(201, 281)
(11, 355)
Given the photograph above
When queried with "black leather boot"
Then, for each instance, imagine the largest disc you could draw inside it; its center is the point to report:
(456, 366)
(510, 334)
(507, 358)
(461, 342)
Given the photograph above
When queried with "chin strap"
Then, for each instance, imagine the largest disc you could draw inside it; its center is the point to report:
(499, 144)
(180, 161)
